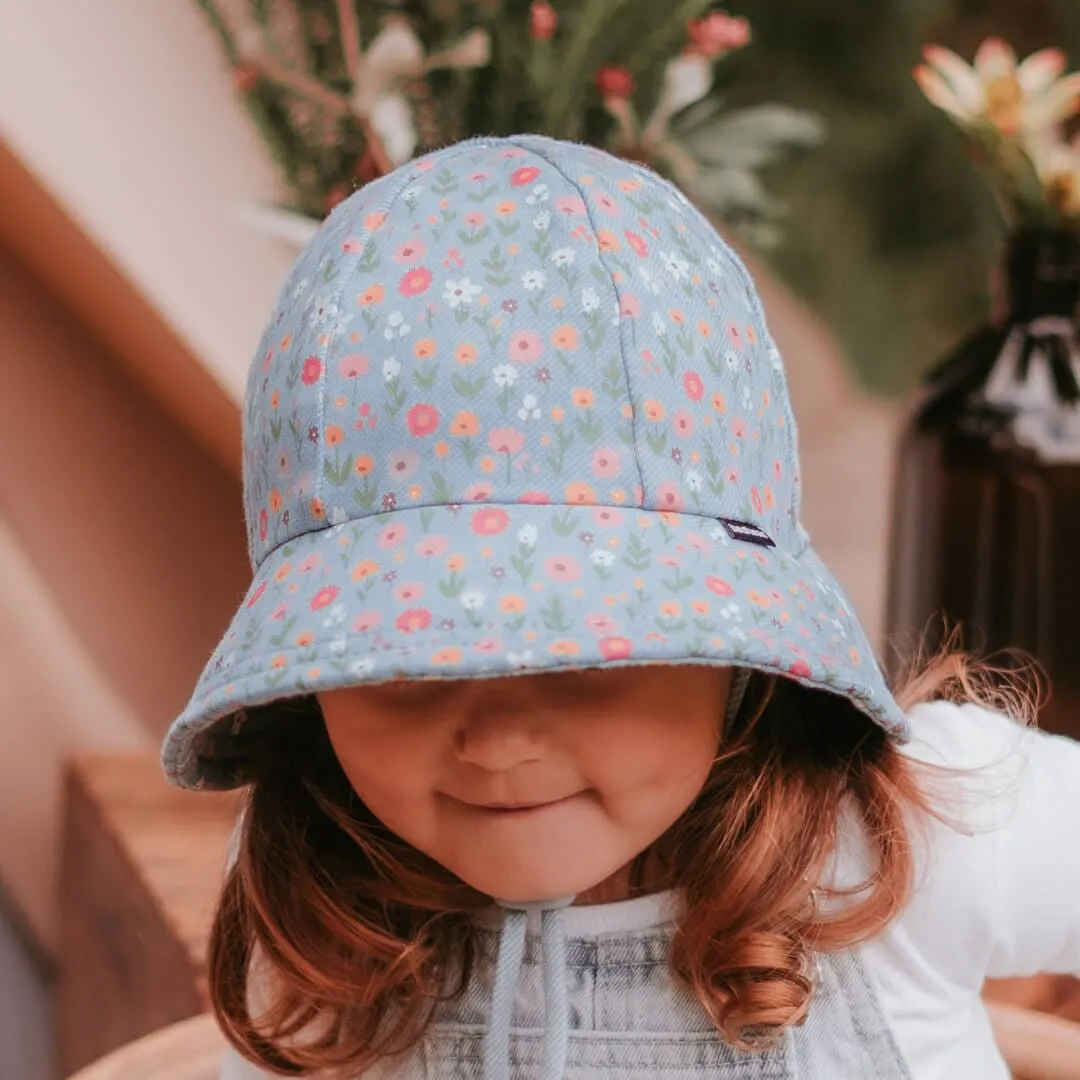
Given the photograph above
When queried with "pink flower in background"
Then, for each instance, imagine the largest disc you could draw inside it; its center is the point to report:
(670, 497)
(683, 423)
(490, 521)
(411, 252)
(415, 282)
(393, 535)
(527, 174)
(571, 205)
(719, 586)
(506, 440)
(409, 592)
(353, 366)
(526, 346)
(615, 81)
(755, 498)
(606, 462)
(694, 387)
(367, 621)
(616, 648)
(630, 306)
(433, 545)
(422, 420)
(600, 623)
(637, 243)
(543, 22)
(478, 492)
(563, 568)
(534, 498)
(738, 427)
(717, 34)
(324, 597)
(311, 371)
(606, 517)
(413, 620)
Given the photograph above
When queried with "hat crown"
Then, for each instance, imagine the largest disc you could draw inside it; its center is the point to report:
(516, 321)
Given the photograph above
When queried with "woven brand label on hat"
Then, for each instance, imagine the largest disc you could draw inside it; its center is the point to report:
(746, 532)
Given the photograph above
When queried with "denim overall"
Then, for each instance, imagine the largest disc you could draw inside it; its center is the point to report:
(606, 1007)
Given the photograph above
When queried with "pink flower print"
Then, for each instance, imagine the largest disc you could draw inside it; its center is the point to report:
(526, 346)
(734, 336)
(738, 427)
(670, 497)
(264, 524)
(629, 306)
(615, 648)
(413, 621)
(410, 592)
(778, 469)
(580, 494)
(256, 596)
(671, 561)
(415, 282)
(478, 492)
(311, 371)
(601, 623)
(606, 463)
(367, 621)
(571, 205)
(353, 245)
(393, 535)
(563, 568)
(433, 546)
(699, 543)
(755, 498)
(309, 563)
(422, 420)
(478, 177)
(279, 612)
(683, 423)
(527, 174)
(491, 521)
(534, 498)
(731, 476)
(488, 645)
(324, 597)
(606, 517)
(506, 440)
(353, 366)
(402, 464)
(453, 258)
(719, 586)
(475, 218)
(606, 204)
(637, 243)
(801, 669)
(411, 252)
(694, 387)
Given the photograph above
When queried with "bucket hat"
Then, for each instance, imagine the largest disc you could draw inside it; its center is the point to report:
(517, 409)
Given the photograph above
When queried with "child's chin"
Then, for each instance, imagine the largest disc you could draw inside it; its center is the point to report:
(536, 880)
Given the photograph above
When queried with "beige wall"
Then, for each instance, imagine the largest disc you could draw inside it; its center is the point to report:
(121, 558)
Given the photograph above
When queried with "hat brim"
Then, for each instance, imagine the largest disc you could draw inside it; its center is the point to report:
(483, 590)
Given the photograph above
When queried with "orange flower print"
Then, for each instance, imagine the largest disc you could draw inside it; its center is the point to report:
(755, 498)
(770, 497)
(583, 398)
(465, 425)
(283, 571)
(455, 564)
(304, 638)
(676, 316)
(449, 657)
(318, 511)
(704, 329)
(505, 208)
(512, 604)
(442, 449)
(487, 465)
(275, 500)
(422, 420)
(335, 435)
(719, 586)
(607, 240)
(670, 609)
(564, 568)
(699, 607)
(373, 222)
(565, 338)
(363, 570)
(413, 620)
(465, 353)
(275, 399)
(373, 294)
(654, 411)
(424, 349)
(637, 243)
(580, 494)
(367, 621)
(564, 647)
(364, 465)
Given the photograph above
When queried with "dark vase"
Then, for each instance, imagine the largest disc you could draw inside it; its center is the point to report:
(986, 515)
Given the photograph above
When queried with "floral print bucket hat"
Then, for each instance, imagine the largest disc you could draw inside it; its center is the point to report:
(517, 409)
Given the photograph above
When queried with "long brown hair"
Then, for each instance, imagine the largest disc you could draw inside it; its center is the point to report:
(334, 939)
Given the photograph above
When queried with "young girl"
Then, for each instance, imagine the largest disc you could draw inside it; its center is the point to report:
(566, 755)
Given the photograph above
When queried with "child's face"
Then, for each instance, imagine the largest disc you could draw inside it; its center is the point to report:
(532, 787)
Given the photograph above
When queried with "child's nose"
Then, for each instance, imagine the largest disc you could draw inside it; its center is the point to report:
(498, 734)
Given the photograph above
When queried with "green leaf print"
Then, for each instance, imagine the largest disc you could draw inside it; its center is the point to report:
(657, 441)
(554, 615)
(274, 678)
(426, 377)
(541, 247)
(483, 194)
(637, 555)
(563, 442)
(472, 237)
(440, 490)
(686, 340)
(278, 640)
(588, 427)
(275, 428)
(337, 471)
(612, 384)
(565, 523)
(508, 228)
(445, 182)
(452, 586)
(395, 397)
(677, 581)
(366, 494)
(468, 388)
(570, 276)
(600, 274)
(369, 259)
(329, 271)
(469, 451)
(495, 272)
(427, 516)
(522, 563)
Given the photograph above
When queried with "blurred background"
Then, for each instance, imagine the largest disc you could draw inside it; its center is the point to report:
(159, 165)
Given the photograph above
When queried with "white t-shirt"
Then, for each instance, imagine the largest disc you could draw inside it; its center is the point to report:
(999, 897)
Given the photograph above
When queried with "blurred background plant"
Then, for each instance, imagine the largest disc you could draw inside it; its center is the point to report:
(888, 229)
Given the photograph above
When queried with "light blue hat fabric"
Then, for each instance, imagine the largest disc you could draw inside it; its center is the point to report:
(517, 409)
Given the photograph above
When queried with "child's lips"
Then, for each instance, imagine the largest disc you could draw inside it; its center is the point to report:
(516, 808)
